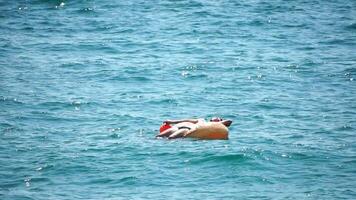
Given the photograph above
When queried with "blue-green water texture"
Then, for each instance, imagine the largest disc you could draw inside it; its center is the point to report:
(85, 85)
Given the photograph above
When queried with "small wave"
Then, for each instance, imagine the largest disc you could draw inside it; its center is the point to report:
(54, 105)
(301, 25)
(351, 26)
(114, 135)
(28, 28)
(37, 179)
(350, 71)
(338, 41)
(164, 101)
(101, 181)
(220, 158)
(73, 65)
(300, 156)
(280, 59)
(128, 180)
(8, 128)
(198, 76)
(44, 167)
(350, 161)
(58, 105)
(10, 100)
(5, 125)
(202, 13)
(86, 10)
(10, 184)
(130, 79)
(257, 22)
(191, 4)
(306, 48)
(345, 128)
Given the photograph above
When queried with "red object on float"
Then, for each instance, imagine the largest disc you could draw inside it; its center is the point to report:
(164, 127)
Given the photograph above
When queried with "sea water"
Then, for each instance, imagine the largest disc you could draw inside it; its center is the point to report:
(85, 85)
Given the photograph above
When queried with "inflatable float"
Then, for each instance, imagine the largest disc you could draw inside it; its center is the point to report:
(210, 131)
(207, 131)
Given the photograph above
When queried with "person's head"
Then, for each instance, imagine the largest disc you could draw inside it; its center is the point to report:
(216, 119)
(227, 123)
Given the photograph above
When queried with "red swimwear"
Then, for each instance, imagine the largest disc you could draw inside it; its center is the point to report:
(164, 127)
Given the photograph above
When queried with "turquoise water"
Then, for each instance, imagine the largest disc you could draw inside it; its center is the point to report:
(84, 86)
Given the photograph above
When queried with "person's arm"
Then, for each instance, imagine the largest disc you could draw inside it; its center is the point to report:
(194, 121)
(190, 132)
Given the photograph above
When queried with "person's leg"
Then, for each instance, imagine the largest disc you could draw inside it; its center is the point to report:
(167, 132)
(179, 133)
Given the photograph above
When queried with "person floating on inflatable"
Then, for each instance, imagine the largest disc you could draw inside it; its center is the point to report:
(216, 128)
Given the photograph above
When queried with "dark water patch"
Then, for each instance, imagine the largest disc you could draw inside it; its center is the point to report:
(166, 101)
(130, 78)
(7, 126)
(87, 10)
(129, 180)
(307, 48)
(7, 130)
(350, 71)
(73, 65)
(301, 156)
(193, 76)
(338, 41)
(351, 26)
(346, 127)
(302, 25)
(14, 101)
(20, 197)
(220, 159)
(7, 185)
(280, 59)
(257, 22)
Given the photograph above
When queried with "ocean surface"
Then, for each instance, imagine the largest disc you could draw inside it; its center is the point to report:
(85, 85)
